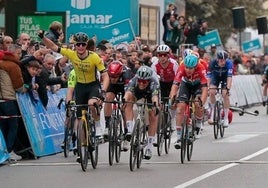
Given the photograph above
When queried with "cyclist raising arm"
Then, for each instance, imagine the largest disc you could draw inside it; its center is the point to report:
(86, 63)
(220, 71)
(144, 84)
(189, 80)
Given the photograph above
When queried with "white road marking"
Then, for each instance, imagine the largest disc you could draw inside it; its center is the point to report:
(211, 173)
(236, 138)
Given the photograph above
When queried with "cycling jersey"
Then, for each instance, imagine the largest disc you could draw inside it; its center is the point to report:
(86, 69)
(72, 79)
(198, 77)
(217, 72)
(166, 74)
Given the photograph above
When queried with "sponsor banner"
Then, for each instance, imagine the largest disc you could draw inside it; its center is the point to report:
(31, 23)
(249, 46)
(211, 37)
(3, 149)
(90, 16)
(45, 128)
(119, 32)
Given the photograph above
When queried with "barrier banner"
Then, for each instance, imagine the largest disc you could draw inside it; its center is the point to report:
(45, 128)
(3, 149)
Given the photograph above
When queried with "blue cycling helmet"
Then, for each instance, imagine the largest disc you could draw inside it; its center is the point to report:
(191, 61)
(222, 54)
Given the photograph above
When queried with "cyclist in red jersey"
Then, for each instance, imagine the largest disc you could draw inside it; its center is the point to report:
(189, 80)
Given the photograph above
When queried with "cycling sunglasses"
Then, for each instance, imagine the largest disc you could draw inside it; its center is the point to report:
(81, 43)
(141, 81)
(162, 54)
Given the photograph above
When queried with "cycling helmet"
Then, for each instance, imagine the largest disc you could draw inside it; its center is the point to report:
(115, 69)
(163, 49)
(191, 61)
(144, 73)
(187, 51)
(222, 54)
(81, 37)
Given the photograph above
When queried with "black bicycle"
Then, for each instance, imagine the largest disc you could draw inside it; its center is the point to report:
(164, 128)
(69, 133)
(116, 131)
(218, 114)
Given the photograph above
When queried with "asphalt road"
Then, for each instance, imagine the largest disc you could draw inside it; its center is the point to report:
(239, 159)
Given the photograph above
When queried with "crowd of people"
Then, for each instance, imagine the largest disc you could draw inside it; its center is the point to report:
(95, 71)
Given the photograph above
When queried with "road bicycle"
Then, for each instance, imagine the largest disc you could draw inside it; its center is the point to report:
(139, 135)
(116, 130)
(164, 128)
(69, 132)
(218, 114)
(188, 129)
(87, 141)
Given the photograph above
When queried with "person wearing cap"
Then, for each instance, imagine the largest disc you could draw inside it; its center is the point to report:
(213, 51)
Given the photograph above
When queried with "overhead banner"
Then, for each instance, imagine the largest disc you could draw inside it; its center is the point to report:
(90, 16)
(211, 37)
(45, 128)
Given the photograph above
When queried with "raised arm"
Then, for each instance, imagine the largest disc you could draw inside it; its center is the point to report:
(48, 43)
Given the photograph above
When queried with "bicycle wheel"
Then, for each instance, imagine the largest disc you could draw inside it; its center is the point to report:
(183, 140)
(216, 120)
(134, 145)
(221, 121)
(111, 138)
(68, 133)
(119, 138)
(83, 144)
(93, 146)
(167, 132)
(160, 133)
(190, 139)
(143, 142)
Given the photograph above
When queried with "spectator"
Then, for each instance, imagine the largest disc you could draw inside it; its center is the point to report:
(7, 41)
(55, 30)
(213, 51)
(11, 81)
(24, 41)
(170, 11)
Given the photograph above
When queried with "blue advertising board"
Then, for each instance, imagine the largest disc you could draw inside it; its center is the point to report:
(249, 46)
(211, 37)
(45, 127)
(90, 16)
(3, 149)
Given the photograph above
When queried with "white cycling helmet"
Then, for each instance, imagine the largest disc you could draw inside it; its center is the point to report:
(163, 49)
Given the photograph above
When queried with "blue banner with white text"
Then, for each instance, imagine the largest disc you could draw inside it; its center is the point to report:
(45, 128)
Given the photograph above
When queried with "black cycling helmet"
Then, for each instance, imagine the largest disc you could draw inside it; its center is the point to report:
(81, 37)
(221, 54)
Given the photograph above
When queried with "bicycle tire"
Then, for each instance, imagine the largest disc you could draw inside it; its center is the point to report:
(111, 138)
(67, 141)
(221, 120)
(216, 120)
(190, 139)
(266, 107)
(134, 145)
(183, 140)
(119, 139)
(93, 146)
(82, 144)
(160, 134)
(168, 132)
(143, 142)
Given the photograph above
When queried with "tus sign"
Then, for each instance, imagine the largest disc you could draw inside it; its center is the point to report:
(90, 16)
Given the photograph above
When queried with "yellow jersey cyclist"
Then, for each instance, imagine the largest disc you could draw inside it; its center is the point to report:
(86, 64)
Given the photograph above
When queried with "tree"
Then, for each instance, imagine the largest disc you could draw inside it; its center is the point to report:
(218, 13)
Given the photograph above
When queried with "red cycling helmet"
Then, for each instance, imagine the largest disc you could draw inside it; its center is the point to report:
(115, 69)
